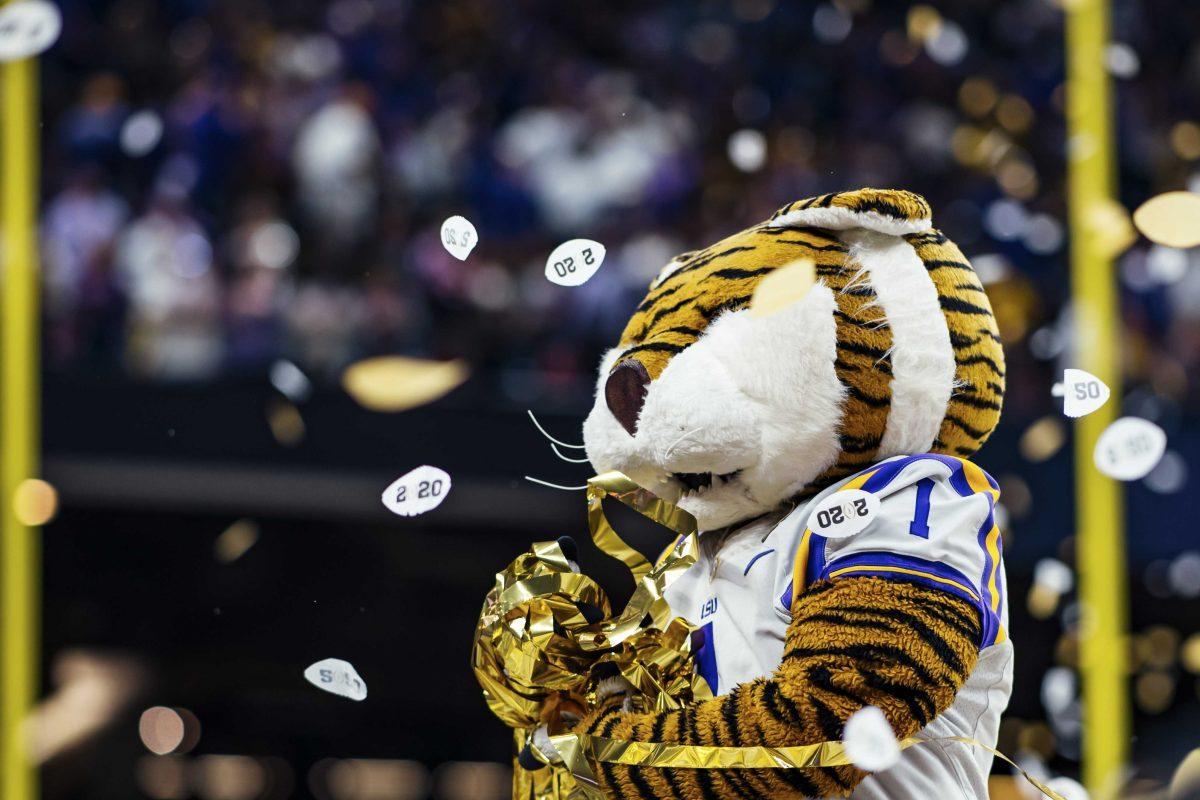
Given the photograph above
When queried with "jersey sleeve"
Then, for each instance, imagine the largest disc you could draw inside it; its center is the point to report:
(935, 526)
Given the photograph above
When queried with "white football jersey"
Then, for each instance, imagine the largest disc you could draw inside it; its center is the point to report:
(934, 525)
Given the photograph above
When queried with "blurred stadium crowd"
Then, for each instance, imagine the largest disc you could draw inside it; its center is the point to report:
(229, 183)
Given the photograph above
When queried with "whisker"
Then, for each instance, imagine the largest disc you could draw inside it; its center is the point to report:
(568, 459)
(538, 425)
(670, 449)
(555, 485)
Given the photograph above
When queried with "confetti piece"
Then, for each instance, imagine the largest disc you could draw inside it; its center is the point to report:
(287, 426)
(1058, 689)
(1041, 602)
(747, 150)
(844, 514)
(573, 263)
(782, 287)
(1129, 448)
(459, 237)
(1109, 225)
(1058, 390)
(28, 28)
(869, 740)
(1171, 219)
(1185, 783)
(924, 23)
(1053, 575)
(166, 730)
(337, 677)
(1167, 265)
(1042, 439)
(423, 489)
(235, 540)
(398, 383)
(1069, 789)
(34, 502)
(1189, 654)
(290, 381)
(1083, 393)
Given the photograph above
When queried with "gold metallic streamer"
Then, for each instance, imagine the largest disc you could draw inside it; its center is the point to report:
(617, 485)
(535, 650)
(579, 750)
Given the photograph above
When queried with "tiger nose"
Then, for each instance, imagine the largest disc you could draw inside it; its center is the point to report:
(625, 393)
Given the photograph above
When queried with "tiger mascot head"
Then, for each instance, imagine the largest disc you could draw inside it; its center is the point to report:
(894, 350)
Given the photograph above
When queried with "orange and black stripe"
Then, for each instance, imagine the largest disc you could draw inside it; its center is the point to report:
(974, 408)
(903, 647)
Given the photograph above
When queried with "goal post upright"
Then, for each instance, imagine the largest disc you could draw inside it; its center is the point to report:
(1100, 529)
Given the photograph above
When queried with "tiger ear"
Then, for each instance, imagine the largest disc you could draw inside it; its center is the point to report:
(891, 211)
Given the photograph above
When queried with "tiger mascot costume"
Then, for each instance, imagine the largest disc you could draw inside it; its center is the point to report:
(885, 377)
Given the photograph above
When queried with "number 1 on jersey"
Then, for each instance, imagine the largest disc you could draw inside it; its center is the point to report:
(920, 522)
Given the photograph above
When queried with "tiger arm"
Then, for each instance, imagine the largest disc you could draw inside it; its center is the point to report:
(903, 647)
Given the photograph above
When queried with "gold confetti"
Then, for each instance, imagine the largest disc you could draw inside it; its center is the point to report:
(1189, 654)
(1042, 439)
(1041, 601)
(977, 96)
(398, 383)
(235, 540)
(1158, 646)
(1171, 219)
(34, 502)
(967, 144)
(1109, 225)
(1014, 113)
(1185, 140)
(1154, 692)
(782, 287)
(1017, 178)
(287, 426)
(924, 23)
(1185, 784)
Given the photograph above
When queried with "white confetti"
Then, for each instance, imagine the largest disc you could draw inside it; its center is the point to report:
(1129, 448)
(1053, 575)
(423, 489)
(1058, 390)
(141, 132)
(843, 514)
(1122, 60)
(1069, 788)
(290, 381)
(337, 677)
(1167, 265)
(459, 237)
(1058, 689)
(747, 150)
(28, 28)
(1083, 393)
(869, 740)
(573, 262)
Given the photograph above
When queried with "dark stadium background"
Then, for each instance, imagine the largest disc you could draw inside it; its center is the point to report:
(156, 390)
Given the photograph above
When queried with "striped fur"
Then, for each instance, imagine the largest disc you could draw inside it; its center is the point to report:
(844, 235)
(902, 647)
(974, 408)
(733, 394)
